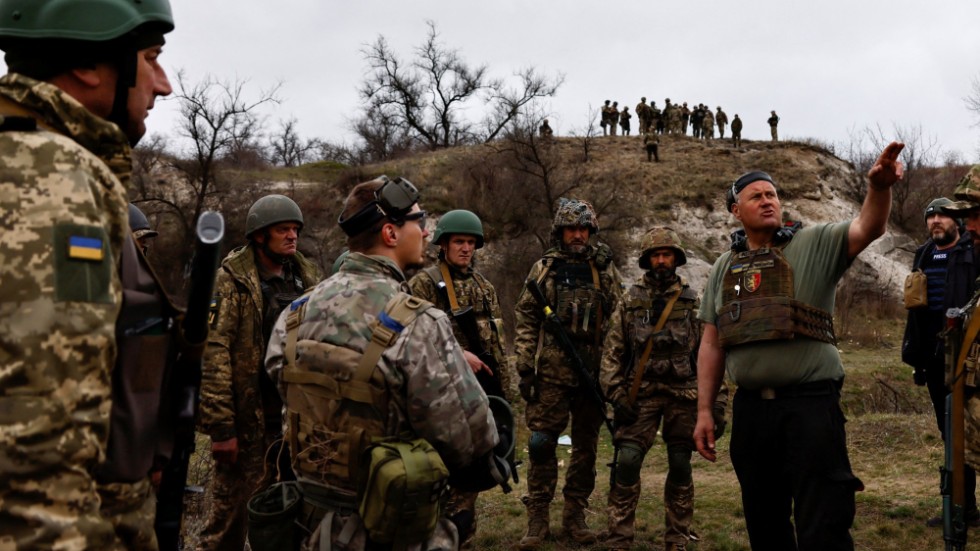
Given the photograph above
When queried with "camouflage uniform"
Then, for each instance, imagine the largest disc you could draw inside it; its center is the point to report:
(476, 292)
(773, 123)
(58, 307)
(613, 118)
(235, 402)
(708, 125)
(667, 391)
(737, 132)
(643, 114)
(685, 118)
(721, 119)
(434, 395)
(624, 120)
(569, 282)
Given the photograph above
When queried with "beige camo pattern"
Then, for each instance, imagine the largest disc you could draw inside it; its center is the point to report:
(57, 343)
(434, 394)
(231, 402)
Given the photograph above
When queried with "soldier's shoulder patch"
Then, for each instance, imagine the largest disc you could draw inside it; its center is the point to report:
(83, 263)
(213, 313)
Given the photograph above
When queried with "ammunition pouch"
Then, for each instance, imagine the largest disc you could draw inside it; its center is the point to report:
(772, 318)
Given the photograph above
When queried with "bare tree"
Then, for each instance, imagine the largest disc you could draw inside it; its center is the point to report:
(427, 98)
(220, 123)
(287, 148)
(972, 100)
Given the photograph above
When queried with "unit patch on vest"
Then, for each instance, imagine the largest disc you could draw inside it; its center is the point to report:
(753, 280)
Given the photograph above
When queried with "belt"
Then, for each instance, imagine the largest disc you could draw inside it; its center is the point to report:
(805, 390)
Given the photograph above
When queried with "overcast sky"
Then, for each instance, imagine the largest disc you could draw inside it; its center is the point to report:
(827, 67)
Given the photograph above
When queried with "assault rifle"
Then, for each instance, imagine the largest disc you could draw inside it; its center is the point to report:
(960, 340)
(186, 377)
(555, 327)
(466, 319)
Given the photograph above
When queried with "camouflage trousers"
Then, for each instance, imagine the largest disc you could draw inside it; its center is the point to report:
(462, 503)
(550, 415)
(131, 508)
(227, 496)
(774, 133)
(679, 416)
(971, 425)
(444, 538)
(48, 497)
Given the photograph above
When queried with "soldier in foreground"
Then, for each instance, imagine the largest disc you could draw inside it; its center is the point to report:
(454, 286)
(240, 408)
(72, 108)
(649, 373)
(788, 447)
(416, 381)
(582, 285)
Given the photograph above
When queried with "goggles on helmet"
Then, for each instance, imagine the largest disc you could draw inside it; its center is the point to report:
(393, 200)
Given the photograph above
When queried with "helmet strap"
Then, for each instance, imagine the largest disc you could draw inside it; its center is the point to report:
(126, 79)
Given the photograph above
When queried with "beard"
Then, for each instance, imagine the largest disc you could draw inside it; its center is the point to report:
(663, 276)
(945, 238)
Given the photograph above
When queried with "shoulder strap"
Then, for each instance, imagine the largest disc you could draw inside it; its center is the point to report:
(447, 279)
(293, 319)
(10, 108)
(598, 317)
(400, 311)
(640, 367)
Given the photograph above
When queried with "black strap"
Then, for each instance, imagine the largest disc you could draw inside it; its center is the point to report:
(17, 124)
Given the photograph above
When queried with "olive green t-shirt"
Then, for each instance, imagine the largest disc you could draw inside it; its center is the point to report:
(818, 256)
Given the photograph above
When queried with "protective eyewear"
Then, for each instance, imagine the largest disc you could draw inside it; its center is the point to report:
(393, 200)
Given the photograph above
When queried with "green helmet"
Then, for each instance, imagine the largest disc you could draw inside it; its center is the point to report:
(575, 213)
(462, 222)
(661, 237)
(270, 210)
(340, 260)
(90, 21)
(138, 223)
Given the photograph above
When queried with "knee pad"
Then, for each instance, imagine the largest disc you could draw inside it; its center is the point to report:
(679, 465)
(629, 464)
(541, 446)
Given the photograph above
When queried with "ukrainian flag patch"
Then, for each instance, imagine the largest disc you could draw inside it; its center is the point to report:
(86, 248)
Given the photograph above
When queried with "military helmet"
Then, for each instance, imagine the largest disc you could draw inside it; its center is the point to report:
(270, 210)
(340, 260)
(138, 224)
(661, 237)
(462, 222)
(575, 213)
(90, 21)
(937, 205)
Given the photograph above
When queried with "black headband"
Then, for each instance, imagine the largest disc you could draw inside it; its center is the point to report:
(743, 181)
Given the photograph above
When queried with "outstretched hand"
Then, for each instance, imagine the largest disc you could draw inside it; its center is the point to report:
(887, 169)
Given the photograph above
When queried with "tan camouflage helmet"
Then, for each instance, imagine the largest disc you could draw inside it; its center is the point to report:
(575, 213)
(661, 237)
(967, 193)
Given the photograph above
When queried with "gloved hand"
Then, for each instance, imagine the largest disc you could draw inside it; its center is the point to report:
(528, 386)
(919, 376)
(624, 413)
(718, 414)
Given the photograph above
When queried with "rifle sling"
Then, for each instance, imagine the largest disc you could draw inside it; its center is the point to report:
(450, 288)
(641, 367)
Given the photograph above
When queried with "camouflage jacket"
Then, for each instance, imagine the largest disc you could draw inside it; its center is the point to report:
(671, 367)
(231, 401)
(63, 217)
(642, 111)
(535, 348)
(473, 290)
(708, 122)
(721, 118)
(435, 394)
(736, 125)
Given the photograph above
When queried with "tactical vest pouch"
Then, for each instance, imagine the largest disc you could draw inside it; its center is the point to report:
(403, 483)
(772, 318)
(916, 290)
(273, 518)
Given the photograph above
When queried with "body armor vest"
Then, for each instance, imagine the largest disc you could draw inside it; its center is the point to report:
(471, 293)
(277, 294)
(672, 345)
(581, 304)
(138, 378)
(758, 302)
(337, 401)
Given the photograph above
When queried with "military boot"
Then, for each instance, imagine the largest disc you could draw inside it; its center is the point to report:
(574, 526)
(676, 547)
(537, 532)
